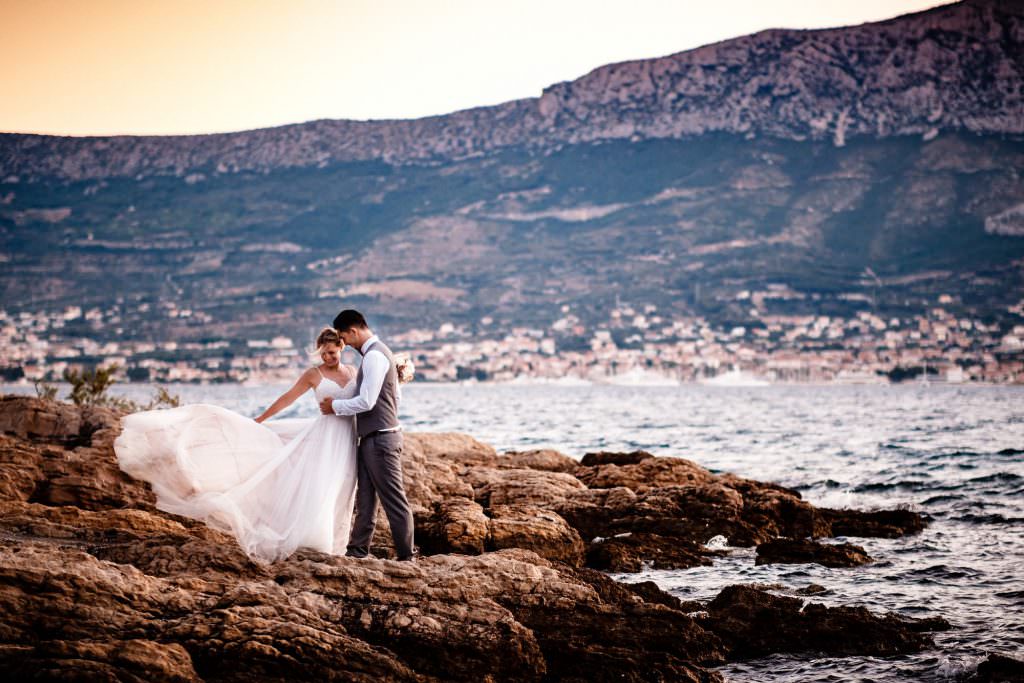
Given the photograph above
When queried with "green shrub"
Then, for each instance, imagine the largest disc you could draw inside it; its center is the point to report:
(45, 391)
(89, 388)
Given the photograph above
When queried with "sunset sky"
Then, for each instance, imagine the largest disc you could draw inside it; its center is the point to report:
(105, 67)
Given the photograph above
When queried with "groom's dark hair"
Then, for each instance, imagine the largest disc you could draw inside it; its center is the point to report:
(349, 319)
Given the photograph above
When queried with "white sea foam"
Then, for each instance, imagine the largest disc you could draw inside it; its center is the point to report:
(717, 543)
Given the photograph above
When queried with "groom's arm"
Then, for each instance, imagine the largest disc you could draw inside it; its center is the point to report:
(375, 369)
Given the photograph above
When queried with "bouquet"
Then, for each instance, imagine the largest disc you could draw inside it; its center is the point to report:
(404, 366)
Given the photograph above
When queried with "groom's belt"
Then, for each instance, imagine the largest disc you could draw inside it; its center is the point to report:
(387, 430)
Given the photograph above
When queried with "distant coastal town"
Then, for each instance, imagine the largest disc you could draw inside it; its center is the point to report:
(635, 345)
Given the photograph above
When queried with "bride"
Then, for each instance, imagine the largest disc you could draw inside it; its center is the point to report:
(276, 486)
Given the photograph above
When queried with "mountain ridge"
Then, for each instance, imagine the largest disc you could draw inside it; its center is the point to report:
(792, 84)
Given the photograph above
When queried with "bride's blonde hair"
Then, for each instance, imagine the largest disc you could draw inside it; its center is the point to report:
(328, 335)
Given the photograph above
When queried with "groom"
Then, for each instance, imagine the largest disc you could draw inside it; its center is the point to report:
(375, 406)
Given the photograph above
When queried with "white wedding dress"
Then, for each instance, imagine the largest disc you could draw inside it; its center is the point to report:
(275, 486)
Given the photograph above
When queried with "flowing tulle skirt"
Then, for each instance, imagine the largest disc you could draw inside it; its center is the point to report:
(276, 486)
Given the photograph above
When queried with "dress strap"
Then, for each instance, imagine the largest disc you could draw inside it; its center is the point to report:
(320, 371)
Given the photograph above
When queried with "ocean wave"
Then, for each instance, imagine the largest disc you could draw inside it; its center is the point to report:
(906, 485)
(988, 519)
(997, 477)
(944, 498)
(942, 571)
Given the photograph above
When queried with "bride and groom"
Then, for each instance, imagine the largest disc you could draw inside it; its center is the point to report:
(288, 483)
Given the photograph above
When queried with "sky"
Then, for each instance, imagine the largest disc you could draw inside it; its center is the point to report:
(108, 67)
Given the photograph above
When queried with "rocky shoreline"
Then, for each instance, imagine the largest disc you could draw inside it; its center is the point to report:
(96, 583)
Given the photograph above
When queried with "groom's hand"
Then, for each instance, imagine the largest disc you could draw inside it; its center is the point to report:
(325, 406)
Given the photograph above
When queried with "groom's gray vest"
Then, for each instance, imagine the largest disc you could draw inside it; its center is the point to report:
(383, 415)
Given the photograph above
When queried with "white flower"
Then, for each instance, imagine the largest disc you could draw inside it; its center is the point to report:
(404, 366)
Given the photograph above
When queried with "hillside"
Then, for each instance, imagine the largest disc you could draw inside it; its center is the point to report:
(869, 167)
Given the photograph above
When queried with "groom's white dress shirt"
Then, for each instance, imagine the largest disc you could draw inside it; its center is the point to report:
(375, 368)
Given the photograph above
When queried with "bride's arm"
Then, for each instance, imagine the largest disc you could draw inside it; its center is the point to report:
(301, 386)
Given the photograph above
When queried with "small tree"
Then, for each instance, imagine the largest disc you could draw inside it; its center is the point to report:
(89, 388)
(45, 391)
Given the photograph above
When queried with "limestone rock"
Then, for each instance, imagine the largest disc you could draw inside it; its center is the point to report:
(431, 463)
(646, 473)
(521, 486)
(999, 669)
(59, 454)
(875, 524)
(453, 448)
(536, 529)
(612, 458)
(754, 623)
(96, 583)
(458, 525)
(545, 459)
(629, 552)
(134, 661)
(803, 551)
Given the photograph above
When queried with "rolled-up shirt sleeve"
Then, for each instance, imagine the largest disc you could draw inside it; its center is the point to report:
(375, 369)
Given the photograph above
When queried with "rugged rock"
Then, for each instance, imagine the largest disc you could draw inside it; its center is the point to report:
(999, 669)
(130, 593)
(526, 487)
(609, 653)
(458, 525)
(875, 524)
(97, 583)
(630, 552)
(755, 623)
(58, 454)
(432, 464)
(133, 661)
(678, 498)
(804, 551)
(452, 448)
(500, 614)
(596, 512)
(651, 592)
(640, 471)
(612, 458)
(545, 459)
(536, 529)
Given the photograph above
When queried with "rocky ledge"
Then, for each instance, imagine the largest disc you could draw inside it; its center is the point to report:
(97, 584)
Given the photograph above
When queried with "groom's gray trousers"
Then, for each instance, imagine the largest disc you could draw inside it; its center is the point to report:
(380, 475)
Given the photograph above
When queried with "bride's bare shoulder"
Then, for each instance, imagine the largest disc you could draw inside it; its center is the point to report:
(311, 376)
(349, 370)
